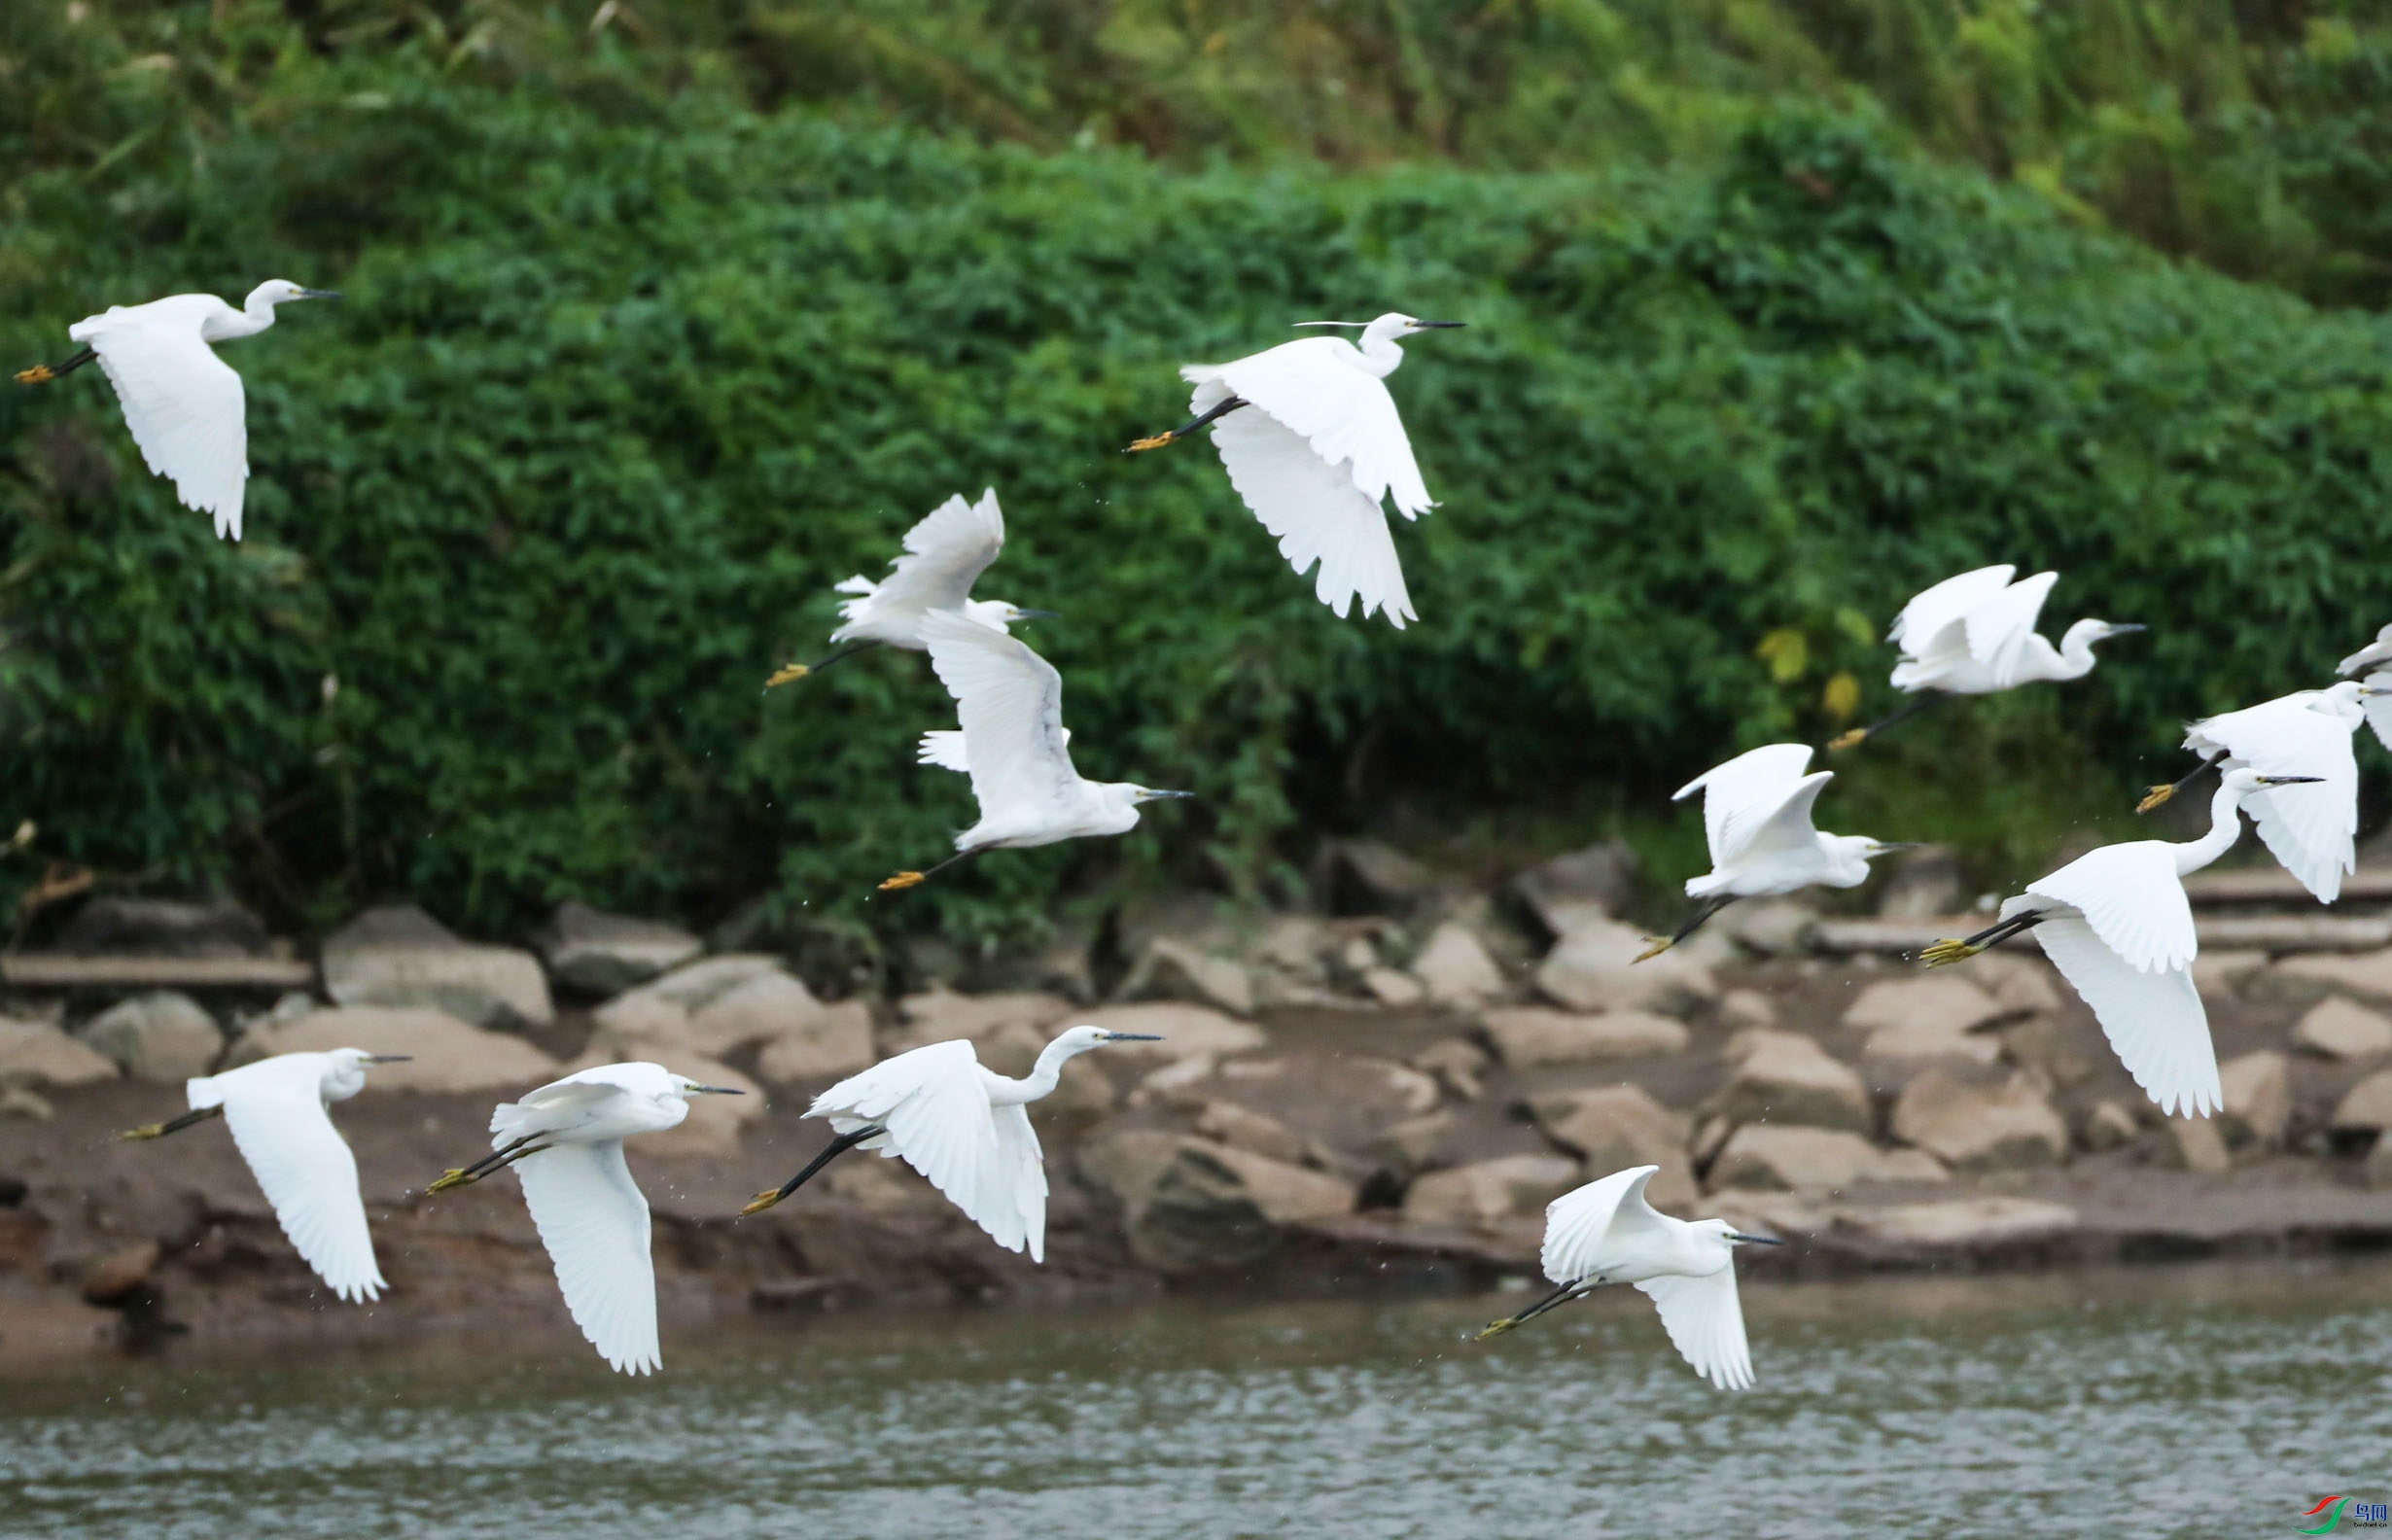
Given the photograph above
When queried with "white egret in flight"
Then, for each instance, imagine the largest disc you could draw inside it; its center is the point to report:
(276, 1109)
(184, 405)
(958, 1123)
(1010, 701)
(1756, 812)
(1974, 634)
(1317, 454)
(945, 554)
(565, 1141)
(2375, 661)
(2116, 924)
(1606, 1232)
(2310, 832)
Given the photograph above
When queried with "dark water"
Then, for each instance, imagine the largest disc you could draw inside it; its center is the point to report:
(2198, 1401)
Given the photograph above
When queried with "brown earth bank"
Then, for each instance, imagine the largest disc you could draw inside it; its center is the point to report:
(1371, 1101)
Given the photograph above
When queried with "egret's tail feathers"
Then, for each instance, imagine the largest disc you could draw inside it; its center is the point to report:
(1943, 954)
(2158, 796)
(785, 674)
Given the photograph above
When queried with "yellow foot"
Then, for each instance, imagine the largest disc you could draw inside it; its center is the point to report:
(454, 1176)
(901, 880)
(786, 673)
(1848, 739)
(38, 374)
(146, 1130)
(1944, 953)
(763, 1201)
(1155, 442)
(1497, 1328)
(2156, 797)
(1654, 946)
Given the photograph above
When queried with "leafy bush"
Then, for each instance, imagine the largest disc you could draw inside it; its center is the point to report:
(616, 396)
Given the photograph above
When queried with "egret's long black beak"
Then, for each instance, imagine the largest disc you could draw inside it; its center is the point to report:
(1436, 326)
(1883, 846)
(699, 1090)
(2289, 780)
(319, 293)
(1755, 1240)
(374, 1058)
(1114, 1037)
(1037, 614)
(2128, 630)
(1151, 795)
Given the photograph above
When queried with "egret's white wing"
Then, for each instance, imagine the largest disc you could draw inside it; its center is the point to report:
(1314, 511)
(2379, 707)
(944, 748)
(305, 1170)
(2309, 828)
(1016, 1181)
(2371, 655)
(557, 1105)
(1577, 1221)
(2133, 898)
(945, 554)
(1705, 1322)
(1319, 389)
(184, 406)
(1010, 702)
(1998, 629)
(594, 1222)
(1924, 618)
(934, 1105)
(2154, 1020)
(1746, 791)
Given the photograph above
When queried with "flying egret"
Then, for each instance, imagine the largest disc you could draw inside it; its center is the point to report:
(1010, 701)
(276, 1109)
(1974, 634)
(1606, 1232)
(962, 1125)
(183, 403)
(1756, 812)
(1322, 447)
(945, 554)
(2375, 661)
(2310, 832)
(565, 1141)
(2116, 924)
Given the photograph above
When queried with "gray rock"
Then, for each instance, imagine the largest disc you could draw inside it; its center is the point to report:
(1784, 1077)
(1190, 1204)
(1456, 1063)
(1744, 1009)
(2219, 974)
(1186, 1031)
(1922, 885)
(1568, 891)
(1394, 988)
(1488, 1192)
(1172, 970)
(2110, 1126)
(2198, 1144)
(1781, 1157)
(164, 928)
(2377, 1169)
(402, 956)
(2369, 1103)
(2065, 1051)
(1941, 1005)
(35, 1054)
(1614, 1126)
(2365, 975)
(1526, 1036)
(1927, 1038)
(444, 1054)
(1415, 1145)
(161, 1035)
(836, 1040)
(1455, 967)
(2258, 1099)
(2338, 1029)
(16, 1101)
(1594, 968)
(1363, 877)
(1962, 1222)
(1976, 1126)
(1256, 1132)
(1770, 927)
(603, 953)
(941, 1015)
(700, 984)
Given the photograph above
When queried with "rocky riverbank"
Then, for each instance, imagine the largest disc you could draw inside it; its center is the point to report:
(1384, 1098)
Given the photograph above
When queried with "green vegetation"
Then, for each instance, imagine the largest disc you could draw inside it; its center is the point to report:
(632, 369)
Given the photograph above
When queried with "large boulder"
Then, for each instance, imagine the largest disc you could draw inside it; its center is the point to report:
(1781, 1157)
(2366, 974)
(2198, 1144)
(35, 1054)
(943, 1015)
(2339, 1029)
(1488, 1192)
(603, 953)
(2367, 1105)
(1615, 1127)
(830, 1043)
(1924, 884)
(1785, 1078)
(1526, 1036)
(444, 1053)
(1937, 1001)
(1185, 1031)
(1962, 1222)
(1190, 1204)
(1568, 891)
(1977, 1125)
(1339, 1100)
(161, 1035)
(1455, 967)
(727, 1004)
(1365, 877)
(1416, 1144)
(1174, 969)
(1594, 966)
(399, 956)
(162, 928)
(2258, 1099)
(1256, 1132)
(1923, 1039)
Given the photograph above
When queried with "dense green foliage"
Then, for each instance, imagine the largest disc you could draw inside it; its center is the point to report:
(623, 384)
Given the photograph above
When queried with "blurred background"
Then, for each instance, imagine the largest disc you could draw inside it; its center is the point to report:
(664, 315)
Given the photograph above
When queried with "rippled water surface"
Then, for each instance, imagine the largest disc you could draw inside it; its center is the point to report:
(2201, 1401)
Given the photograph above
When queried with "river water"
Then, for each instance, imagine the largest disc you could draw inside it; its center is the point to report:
(2208, 1400)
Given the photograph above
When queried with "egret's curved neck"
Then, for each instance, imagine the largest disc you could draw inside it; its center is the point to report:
(1377, 348)
(255, 314)
(2225, 827)
(1040, 1081)
(2075, 658)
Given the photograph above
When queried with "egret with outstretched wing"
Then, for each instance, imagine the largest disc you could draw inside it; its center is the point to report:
(2313, 833)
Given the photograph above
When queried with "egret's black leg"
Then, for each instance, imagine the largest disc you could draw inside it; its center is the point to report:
(1992, 935)
(787, 672)
(1188, 427)
(44, 373)
(1858, 734)
(2158, 796)
(1561, 1296)
(173, 1125)
(507, 1155)
(831, 1152)
(913, 879)
(1710, 906)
